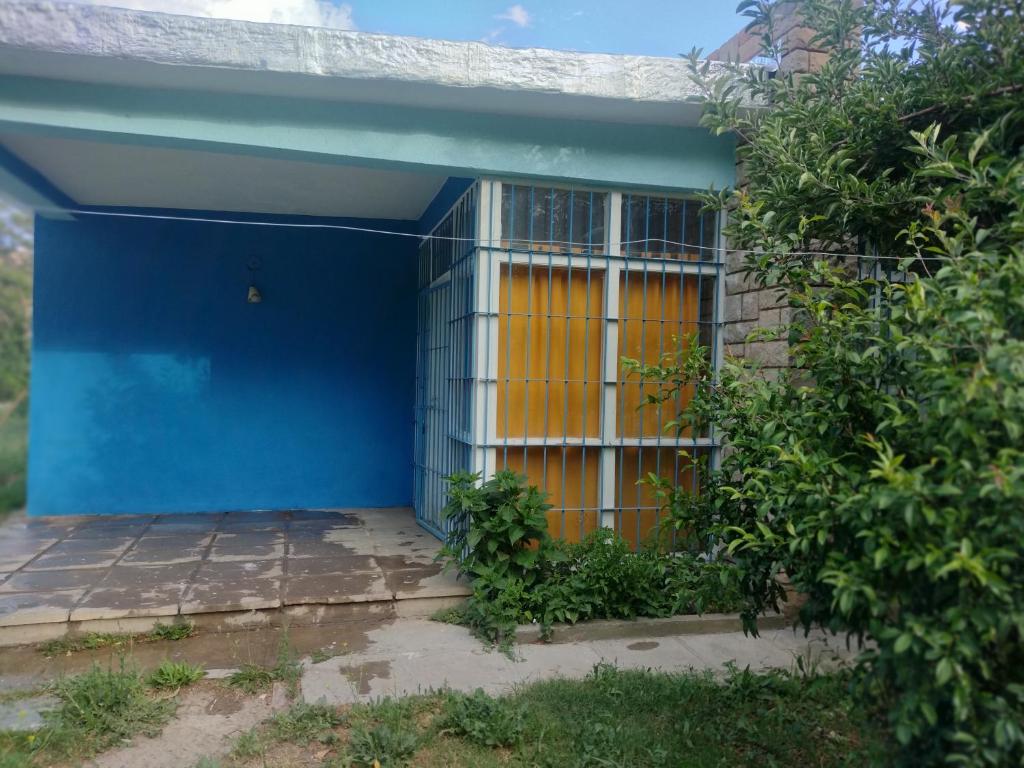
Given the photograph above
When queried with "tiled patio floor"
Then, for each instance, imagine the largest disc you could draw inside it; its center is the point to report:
(81, 569)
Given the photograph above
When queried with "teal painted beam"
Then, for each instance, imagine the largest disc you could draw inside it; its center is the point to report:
(25, 184)
(457, 143)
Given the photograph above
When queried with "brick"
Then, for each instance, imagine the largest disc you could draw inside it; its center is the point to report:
(772, 298)
(733, 308)
(773, 354)
(736, 350)
(769, 318)
(734, 262)
(737, 332)
(737, 283)
(751, 310)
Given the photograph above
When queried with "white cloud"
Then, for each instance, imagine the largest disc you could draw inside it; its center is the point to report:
(517, 15)
(311, 13)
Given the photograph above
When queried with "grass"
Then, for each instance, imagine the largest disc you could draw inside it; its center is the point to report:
(611, 718)
(303, 724)
(172, 675)
(13, 458)
(92, 641)
(98, 709)
(253, 678)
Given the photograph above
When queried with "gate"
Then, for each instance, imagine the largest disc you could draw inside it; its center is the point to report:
(432, 406)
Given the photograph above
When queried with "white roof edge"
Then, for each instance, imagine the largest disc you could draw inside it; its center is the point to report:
(53, 39)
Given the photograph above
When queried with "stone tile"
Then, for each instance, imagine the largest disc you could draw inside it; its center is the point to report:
(49, 581)
(339, 535)
(183, 539)
(253, 526)
(234, 586)
(241, 522)
(16, 552)
(28, 531)
(317, 566)
(21, 608)
(124, 575)
(400, 539)
(334, 516)
(110, 527)
(228, 547)
(336, 588)
(306, 547)
(257, 516)
(240, 539)
(129, 591)
(46, 527)
(396, 562)
(82, 553)
(357, 540)
(425, 581)
(163, 550)
(172, 525)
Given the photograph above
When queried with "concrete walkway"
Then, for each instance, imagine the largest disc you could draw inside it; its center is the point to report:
(411, 656)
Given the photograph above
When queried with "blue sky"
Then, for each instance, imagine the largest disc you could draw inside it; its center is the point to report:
(652, 27)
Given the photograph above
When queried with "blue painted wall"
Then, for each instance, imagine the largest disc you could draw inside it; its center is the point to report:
(157, 388)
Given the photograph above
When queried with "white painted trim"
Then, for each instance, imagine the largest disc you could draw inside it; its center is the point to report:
(90, 43)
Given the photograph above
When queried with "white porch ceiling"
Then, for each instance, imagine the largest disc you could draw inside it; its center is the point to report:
(93, 173)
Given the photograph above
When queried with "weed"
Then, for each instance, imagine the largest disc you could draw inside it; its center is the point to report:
(304, 723)
(287, 670)
(62, 646)
(483, 720)
(175, 674)
(382, 746)
(99, 708)
(207, 762)
(252, 678)
(455, 614)
(178, 631)
(249, 744)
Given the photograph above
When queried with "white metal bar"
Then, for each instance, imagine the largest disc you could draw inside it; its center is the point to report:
(609, 367)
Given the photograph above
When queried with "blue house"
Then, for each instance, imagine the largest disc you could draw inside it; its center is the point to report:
(283, 267)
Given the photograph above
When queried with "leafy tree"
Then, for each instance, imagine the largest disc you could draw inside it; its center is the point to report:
(15, 301)
(884, 473)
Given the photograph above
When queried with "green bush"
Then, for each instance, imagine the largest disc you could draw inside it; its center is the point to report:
(598, 578)
(884, 473)
(602, 578)
(499, 529)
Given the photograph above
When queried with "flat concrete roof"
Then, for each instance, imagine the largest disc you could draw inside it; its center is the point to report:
(87, 43)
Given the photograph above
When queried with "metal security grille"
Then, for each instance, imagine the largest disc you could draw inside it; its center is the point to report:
(445, 363)
(558, 285)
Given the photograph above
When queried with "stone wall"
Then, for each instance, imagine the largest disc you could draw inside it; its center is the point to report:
(748, 307)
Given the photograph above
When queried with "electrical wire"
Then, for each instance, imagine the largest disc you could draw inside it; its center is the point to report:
(392, 233)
